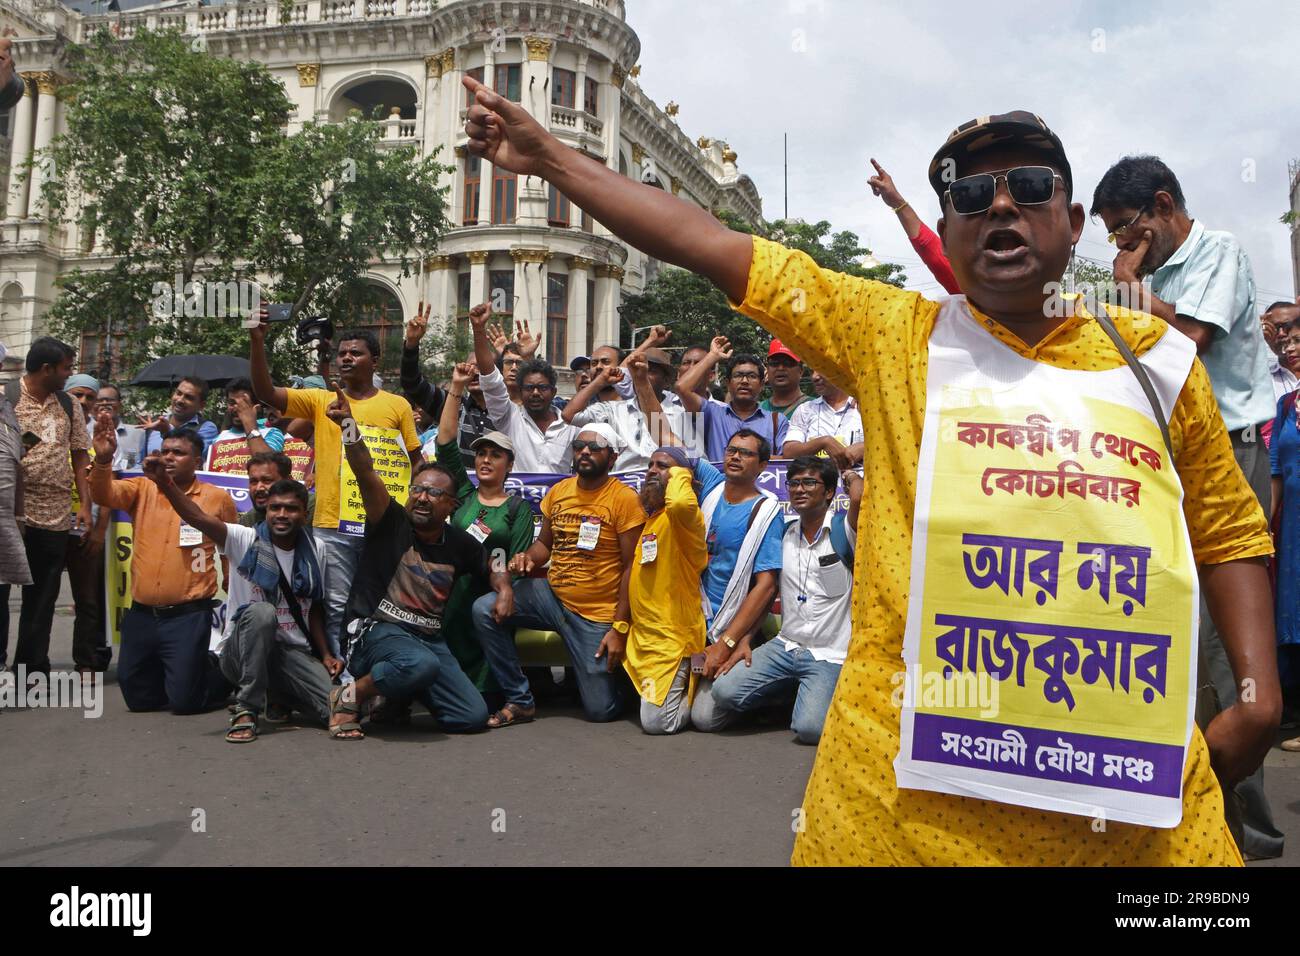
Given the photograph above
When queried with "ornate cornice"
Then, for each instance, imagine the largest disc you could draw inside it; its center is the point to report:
(478, 256)
(539, 48)
(433, 65)
(448, 59)
(434, 263)
(609, 271)
(530, 255)
(581, 262)
(47, 81)
(308, 73)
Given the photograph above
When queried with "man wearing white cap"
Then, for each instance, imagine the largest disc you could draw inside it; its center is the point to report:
(590, 527)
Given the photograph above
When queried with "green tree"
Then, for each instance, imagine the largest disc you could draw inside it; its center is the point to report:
(181, 162)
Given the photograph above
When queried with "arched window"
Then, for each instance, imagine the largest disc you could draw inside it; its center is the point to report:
(378, 309)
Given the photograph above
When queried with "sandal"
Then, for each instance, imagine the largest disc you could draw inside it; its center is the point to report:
(242, 731)
(511, 714)
(341, 704)
(277, 713)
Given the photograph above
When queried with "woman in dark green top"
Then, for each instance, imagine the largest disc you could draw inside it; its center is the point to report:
(502, 523)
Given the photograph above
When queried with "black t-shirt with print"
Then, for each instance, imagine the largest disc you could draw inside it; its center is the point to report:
(407, 581)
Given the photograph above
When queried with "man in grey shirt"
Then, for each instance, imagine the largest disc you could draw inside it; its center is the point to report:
(1202, 285)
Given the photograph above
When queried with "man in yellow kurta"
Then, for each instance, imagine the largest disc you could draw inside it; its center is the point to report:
(667, 617)
(1008, 233)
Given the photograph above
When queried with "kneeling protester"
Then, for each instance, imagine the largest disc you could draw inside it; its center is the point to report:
(410, 560)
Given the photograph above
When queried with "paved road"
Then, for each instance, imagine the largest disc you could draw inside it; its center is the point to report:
(124, 788)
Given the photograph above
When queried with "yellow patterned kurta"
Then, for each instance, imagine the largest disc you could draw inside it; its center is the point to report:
(876, 336)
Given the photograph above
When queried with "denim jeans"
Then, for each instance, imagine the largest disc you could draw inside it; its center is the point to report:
(674, 713)
(342, 555)
(776, 675)
(405, 665)
(536, 606)
(255, 660)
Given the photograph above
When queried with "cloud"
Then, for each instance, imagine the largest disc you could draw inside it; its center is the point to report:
(1208, 87)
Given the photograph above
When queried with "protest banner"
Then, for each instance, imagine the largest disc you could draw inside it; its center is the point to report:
(391, 462)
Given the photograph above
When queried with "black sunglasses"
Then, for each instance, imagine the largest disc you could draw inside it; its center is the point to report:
(1028, 186)
(578, 444)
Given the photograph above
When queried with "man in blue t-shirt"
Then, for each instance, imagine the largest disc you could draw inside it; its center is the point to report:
(743, 529)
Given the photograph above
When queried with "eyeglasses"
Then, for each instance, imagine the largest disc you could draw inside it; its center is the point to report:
(742, 452)
(427, 491)
(812, 484)
(1028, 186)
(746, 375)
(544, 387)
(1113, 237)
(594, 444)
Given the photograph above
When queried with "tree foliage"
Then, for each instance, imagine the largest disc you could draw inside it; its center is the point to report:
(182, 163)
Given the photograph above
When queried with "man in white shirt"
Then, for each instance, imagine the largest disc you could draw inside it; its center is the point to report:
(268, 643)
(541, 438)
(829, 425)
(634, 420)
(803, 661)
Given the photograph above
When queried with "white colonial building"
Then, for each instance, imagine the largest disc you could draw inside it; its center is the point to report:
(571, 63)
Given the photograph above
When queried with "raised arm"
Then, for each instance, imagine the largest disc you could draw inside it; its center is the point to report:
(719, 350)
(607, 376)
(374, 495)
(652, 220)
(186, 507)
(247, 413)
(648, 401)
(484, 354)
(259, 371)
(414, 385)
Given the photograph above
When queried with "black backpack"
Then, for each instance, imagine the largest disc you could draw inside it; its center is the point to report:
(14, 394)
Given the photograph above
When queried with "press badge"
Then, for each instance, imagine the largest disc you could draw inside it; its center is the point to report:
(479, 530)
(588, 534)
(649, 548)
(190, 537)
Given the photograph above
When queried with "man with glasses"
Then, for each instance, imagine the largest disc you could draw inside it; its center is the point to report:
(741, 410)
(591, 524)
(410, 560)
(1202, 285)
(742, 533)
(541, 438)
(802, 663)
(1277, 323)
(130, 439)
(1008, 227)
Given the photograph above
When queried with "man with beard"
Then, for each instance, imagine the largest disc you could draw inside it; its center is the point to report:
(358, 355)
(410, 563)
(1008, 226)
(784, 374)
(633, 420)
(591, 524)
(1202, 285)
(802, 663)
(667, 621)
(541, 438)
(164, 658)
(275, 621)
(265, 469)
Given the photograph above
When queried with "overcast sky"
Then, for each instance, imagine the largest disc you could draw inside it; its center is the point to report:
(1210, 87)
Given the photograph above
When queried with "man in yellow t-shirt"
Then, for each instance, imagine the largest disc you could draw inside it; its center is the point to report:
(341, 541)
(590, 527)
(667, 618)
(1009, 239)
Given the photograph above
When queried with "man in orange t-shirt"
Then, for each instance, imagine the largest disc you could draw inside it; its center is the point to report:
(590, 526)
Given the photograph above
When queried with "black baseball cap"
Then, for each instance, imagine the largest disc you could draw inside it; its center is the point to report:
(1017, 128)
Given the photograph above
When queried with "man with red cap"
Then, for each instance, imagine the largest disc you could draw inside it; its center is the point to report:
(784, 370)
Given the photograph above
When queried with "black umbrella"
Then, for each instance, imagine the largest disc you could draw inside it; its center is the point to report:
(216, 370)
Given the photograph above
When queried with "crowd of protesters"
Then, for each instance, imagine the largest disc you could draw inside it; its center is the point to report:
(697, 598)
